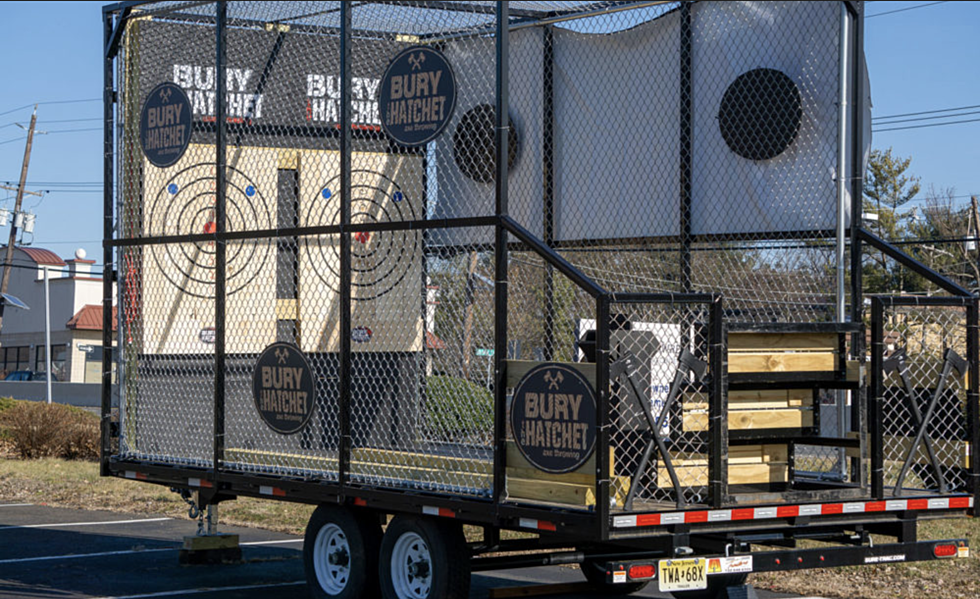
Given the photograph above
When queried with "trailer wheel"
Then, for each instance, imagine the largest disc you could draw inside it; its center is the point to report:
(716, 587)
(340, 553)
(422, 558)
(595, 573)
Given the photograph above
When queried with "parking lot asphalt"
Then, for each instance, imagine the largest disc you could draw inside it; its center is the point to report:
(67, 554)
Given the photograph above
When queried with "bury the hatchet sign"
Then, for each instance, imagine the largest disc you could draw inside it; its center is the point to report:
(552, 418)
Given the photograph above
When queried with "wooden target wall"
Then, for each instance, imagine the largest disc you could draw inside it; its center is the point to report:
(271, 189)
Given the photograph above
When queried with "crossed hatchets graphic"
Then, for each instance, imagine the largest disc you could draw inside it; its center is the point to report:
(554, 380)
(416, 60)
(282, 354)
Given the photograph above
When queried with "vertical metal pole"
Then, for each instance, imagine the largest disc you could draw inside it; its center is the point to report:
(973, 399)
(875, 428)
(344, 401)
(108, 101)
(220, 297)
(500, 285)
(718, 406)
(856, 173)
(47, 331)
(686, 144)
(548, 179)
(840, 249)
(603, 440)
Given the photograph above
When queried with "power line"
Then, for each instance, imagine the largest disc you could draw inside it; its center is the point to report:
(924, 126)
(895, 116)
(891, 12)
(929, 118)
(51, 102)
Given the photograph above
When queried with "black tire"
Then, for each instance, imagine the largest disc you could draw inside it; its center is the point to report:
(424, 558)
(716, 587)
(340, 553)
(595, 573)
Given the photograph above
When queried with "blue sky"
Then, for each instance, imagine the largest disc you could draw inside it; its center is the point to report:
(924, 59)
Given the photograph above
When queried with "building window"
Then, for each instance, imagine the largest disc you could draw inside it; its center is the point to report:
(16, 358)
(93, 365)
(59, 354)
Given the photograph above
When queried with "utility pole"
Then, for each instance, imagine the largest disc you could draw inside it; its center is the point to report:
(9, 255)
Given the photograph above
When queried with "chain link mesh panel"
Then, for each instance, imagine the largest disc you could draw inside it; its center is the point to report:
(923, 346)
(650, 339)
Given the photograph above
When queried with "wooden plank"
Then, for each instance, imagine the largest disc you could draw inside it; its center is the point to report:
(287, 309)
(753, 419)
(782, 362)
(738, 454)
(515, 459)
(567, 493)
(784, 341)
(853, 371)
(738, 474)
(422, 460)
(516, 369)
(760, 399)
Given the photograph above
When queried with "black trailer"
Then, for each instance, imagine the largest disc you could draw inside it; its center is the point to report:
(586, 271)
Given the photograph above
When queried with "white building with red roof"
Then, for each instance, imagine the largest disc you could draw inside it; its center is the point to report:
(76, 316)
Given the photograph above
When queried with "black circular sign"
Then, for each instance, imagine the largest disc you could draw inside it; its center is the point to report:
(552, 418)
(760, 114)
(165, 125)
(282, 385)
(417, 96)
(474, 144)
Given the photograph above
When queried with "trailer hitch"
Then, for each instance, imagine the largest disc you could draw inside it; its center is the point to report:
(626, 367)
(951, 361)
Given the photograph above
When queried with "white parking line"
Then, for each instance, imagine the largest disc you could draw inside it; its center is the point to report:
(207, 590)
(48, 558)
(69, 524)
(16, 504)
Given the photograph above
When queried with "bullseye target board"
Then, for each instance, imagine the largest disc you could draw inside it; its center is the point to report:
(386, 265)
(178, 279)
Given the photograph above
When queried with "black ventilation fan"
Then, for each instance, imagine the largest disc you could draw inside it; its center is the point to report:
(760, 114)
(474, 147)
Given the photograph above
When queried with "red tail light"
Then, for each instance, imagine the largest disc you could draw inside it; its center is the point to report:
(642, 572)
(944, 550)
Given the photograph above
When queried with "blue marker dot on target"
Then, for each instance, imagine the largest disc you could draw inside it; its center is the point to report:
(398, 196)
(172, 189)
(250, 191)
(326, 193)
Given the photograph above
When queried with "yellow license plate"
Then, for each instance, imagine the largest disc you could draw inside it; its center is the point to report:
(682, 574)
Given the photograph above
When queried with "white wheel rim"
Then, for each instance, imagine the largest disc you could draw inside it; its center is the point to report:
(411, 567)
(331, 559)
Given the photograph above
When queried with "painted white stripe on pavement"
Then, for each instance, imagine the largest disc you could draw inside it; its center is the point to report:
(84, 555)
(47, 558)
(16, 504)
(207, 590)
(68, 524)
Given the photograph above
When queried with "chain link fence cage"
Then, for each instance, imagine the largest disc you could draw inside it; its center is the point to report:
(923, 401)
(653, 147)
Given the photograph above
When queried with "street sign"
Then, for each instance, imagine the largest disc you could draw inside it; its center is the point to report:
(484, 352)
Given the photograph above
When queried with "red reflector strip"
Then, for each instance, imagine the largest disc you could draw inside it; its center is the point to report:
(274, 491)
(791, 511)
(438, 511)
(696, 517)
(359, 502)
(537, 524)
(959, 502)
(648, 520)
(135, 475)
(788, 511)
(944, 550)
(641, 572)
(199, 482)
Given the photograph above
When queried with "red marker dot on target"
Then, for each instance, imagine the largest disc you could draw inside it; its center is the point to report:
(362, 236)
(210, 227)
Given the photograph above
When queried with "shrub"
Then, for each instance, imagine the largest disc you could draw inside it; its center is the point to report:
(38, 429)
(458, 409)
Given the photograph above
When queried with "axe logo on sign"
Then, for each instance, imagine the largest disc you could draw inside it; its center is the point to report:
(418, 96)
(552, 418)
(165, 125)
(282, 385)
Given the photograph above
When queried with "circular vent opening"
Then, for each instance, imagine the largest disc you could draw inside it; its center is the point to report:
(760, 114)
(473, 144)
